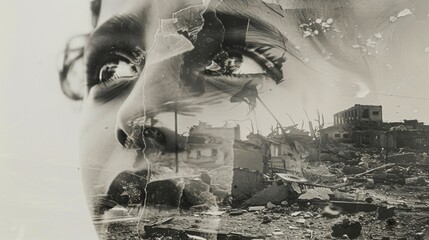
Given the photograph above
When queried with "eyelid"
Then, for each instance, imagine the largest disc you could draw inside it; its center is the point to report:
(114, 57)
(96, 59)
(273, 65)
(134, 58)
(260, 54)
(118, 71)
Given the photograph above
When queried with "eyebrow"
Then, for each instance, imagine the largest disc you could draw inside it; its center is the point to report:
(127, 26)
(118, 31)
(263, 28)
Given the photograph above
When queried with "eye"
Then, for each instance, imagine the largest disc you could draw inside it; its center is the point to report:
(243, 61)
(119, 69)
(247, 65)
(115, 73)
(237, 66)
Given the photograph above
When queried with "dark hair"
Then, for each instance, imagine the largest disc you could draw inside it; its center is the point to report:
(95, 11)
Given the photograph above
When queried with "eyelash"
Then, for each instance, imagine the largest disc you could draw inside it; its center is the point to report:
(134, 60)
(269, 62)
(261, 54)
(115, 76)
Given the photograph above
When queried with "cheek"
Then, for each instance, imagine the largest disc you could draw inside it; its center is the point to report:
(97, 132)
(216, 111)
(102, 157)
(222, 113)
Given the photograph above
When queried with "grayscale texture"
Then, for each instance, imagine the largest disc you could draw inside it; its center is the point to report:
(215, 119)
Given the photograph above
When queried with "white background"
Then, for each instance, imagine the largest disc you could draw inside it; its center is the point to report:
(41, 196)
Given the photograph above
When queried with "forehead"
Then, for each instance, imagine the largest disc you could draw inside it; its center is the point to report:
(151, 11)
(284, 16)
(110, 8)
(165, 8)
(160, 8)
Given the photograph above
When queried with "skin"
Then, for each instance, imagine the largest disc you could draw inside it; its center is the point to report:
(112, 119)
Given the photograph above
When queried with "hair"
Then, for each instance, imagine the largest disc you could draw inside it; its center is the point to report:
(95, 11)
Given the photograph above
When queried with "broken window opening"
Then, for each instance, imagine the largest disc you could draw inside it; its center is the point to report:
(365, 140)
(365, 113)
(214, 152)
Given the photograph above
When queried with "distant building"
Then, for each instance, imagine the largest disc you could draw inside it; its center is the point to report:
(408, 134)
(351, 125)
(230, 133)
(258, 157)
(363, 125)
(336, 133)
(211, 146)
(360, 114)
(210, 151)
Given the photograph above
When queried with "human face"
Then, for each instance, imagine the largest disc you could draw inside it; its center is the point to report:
(157, 68)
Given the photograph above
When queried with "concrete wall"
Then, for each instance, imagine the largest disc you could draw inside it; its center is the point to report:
(371, 138)
(375, 113)
(248, 156)
(246, 183)
(279, 162)
(410, 139)
(221, 132)
(206, 154)
(360, 113)
(338, 133)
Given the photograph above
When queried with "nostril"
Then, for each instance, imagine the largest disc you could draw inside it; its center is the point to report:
(152, 137)
(122, 137)
(134, 140)
(155, 134)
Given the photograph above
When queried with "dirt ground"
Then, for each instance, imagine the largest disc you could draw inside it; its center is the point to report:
(410, 220)
(361, 207)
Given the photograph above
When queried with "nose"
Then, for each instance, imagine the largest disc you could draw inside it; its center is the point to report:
(154, 92)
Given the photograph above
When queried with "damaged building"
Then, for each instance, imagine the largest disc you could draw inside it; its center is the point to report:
(351, 125)
(407, 134)
(259, 158)
(210, 146)
(362, 125)
(210, 151)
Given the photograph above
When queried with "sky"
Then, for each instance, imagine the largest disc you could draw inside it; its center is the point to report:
(39, 170)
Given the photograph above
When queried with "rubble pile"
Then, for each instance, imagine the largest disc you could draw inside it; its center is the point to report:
(363, 197)
(291, 184)
(353, 205)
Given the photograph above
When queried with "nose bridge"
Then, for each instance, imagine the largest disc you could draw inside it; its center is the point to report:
(158, 85)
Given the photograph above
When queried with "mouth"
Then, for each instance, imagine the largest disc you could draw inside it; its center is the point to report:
(133, 189)
(128, 188)
(154, 184)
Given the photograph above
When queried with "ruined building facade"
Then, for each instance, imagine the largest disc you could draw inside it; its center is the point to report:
(360, 114)
(362, 125)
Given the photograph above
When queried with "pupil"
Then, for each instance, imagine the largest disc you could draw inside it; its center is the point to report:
(107, 73)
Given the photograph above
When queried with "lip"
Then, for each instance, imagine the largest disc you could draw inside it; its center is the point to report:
(127, 188)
